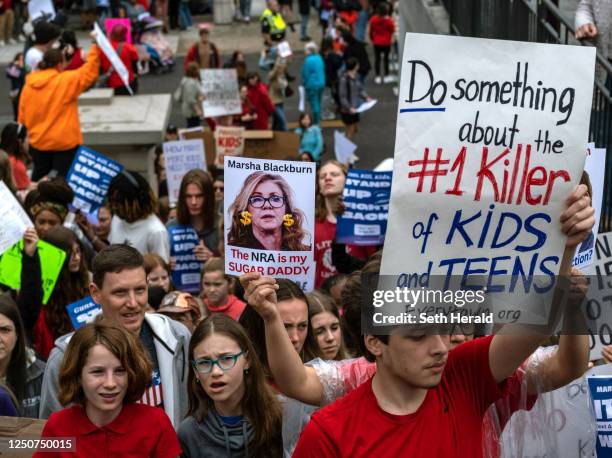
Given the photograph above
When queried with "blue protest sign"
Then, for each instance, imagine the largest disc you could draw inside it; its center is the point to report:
(83, 311)
(600, 387)
(366, 203)
(89, 176)
(186, 272)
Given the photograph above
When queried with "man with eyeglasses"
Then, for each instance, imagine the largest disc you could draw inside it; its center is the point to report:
(120, 287)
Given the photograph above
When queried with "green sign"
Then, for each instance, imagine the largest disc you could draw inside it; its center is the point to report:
(51, 262)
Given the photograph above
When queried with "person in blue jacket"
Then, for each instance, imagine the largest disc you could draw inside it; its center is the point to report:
(313, 80)
(311, 139)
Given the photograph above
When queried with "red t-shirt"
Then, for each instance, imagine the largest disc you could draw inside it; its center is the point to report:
(138, 431)
(325, 233)
(233, 307)
(20, 173)
(381, 30)
(447, 424)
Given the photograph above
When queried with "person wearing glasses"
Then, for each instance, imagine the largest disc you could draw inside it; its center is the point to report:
(232, 410)
(264, 216)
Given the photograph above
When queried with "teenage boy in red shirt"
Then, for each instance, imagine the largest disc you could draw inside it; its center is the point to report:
(423, 400)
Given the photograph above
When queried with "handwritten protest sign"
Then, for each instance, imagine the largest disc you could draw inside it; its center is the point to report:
(187, 271)
(89, 177)
(51, 262)
(182, 156)
(220, 87)
(595, 169)
(600, 389)
(112, 22)
(83, 311)
(229, 141)
(14, 219)
(366, 203)
(560, 424)
(269, 218)
(111, 54)
(490, 140)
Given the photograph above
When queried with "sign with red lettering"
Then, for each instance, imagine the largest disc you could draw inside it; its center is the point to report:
(490, 141)
(229, 141)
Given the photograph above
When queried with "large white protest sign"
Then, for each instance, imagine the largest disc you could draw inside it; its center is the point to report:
(595, 170)
(269, 218)
(489, 144)
(111, 54)
(220, 88)
(229, 141)
(14, 219)
(560, 424)
(181, 157)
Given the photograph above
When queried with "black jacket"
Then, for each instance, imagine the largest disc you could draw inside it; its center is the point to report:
(357, 50)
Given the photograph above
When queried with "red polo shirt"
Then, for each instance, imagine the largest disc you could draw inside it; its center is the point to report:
(138, 431)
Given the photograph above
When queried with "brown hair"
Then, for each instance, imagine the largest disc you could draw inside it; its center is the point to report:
(193, 71)
(203, 181)
(51, 59)
(319, 303)
(241, 235)
(70, 286)
(6, 172)
(216, 264)
(352, 300)
(320, 208)
(153, 260)
(130, 197)
(126, 347)
(259, 404)
(16, 374)
(115, 258)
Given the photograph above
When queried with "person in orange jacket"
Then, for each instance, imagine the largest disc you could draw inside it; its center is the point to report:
(49, 109)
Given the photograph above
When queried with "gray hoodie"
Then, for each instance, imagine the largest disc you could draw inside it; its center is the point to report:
(172, 348)
(214, 439)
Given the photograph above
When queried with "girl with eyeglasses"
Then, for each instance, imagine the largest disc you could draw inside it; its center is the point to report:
(232, 411)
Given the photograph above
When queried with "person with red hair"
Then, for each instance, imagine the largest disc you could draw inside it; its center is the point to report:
(128, 55)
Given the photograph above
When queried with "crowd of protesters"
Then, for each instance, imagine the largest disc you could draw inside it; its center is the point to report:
(250, 366)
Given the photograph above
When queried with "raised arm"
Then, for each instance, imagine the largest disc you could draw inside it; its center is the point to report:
(509, 350)
(571, 357)
(290, 375)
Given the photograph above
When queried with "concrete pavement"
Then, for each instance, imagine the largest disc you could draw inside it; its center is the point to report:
(376, 136)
